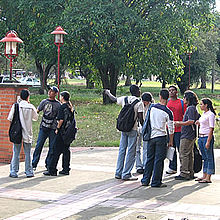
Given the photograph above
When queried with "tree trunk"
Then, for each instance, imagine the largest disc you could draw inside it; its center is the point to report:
(128, 81)
(213, 78)
(164, 84)
(203, 82)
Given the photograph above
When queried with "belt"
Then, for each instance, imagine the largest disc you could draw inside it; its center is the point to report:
(203, 135)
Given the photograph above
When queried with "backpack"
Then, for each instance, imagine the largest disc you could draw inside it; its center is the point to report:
(126, 117)
(197, 167)
(69, 129)
(15, 130)
(146, 129)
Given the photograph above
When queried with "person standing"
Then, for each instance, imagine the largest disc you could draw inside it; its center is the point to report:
(206, 139)
(188, 136)
(160, 118)
(178, 108)
(27, 113)
(65, 116)
(48, 125)
(128, 140)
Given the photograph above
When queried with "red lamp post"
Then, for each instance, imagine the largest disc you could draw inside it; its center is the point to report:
(11, 50)
(189, 54)
(58, 41)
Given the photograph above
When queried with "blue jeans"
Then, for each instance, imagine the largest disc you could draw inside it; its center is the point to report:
(42, 136)
(139, 164)
(14, 166)
(176, 145)
(128, 141)
(156, 153)
(207, 155)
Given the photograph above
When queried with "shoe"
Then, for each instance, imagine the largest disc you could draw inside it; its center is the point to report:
(144, 184)
(140, 171)
(63, 172)
(132, 178)
(47, 173)
(29, 176)
(170, 171)
(205, 181)
(199, 179)
(162, 185)
(193, 177)
(13, 176)
(181, 178)
(117, 177)
(34, 168)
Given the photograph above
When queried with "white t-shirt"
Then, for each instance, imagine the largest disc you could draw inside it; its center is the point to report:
(27, 113)
(139, 107)
(207, 121)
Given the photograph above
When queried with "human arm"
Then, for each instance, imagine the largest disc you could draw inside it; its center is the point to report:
(34, 114)
(60, 122)
(112, 97)
(140, 117)
(170, 144)
(183, 123)
(211, 130)
(11, 113)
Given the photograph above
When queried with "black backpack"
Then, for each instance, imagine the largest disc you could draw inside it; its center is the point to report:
(146, 129)
(197, 167)
(69, 129)
(15, 130)
(126, 120)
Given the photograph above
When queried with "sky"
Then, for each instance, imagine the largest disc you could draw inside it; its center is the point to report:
(218, 5)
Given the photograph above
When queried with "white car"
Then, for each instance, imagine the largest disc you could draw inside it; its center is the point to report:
(30, 81)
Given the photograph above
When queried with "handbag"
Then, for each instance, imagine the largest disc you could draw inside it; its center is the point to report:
(15, 130)
(197, 160)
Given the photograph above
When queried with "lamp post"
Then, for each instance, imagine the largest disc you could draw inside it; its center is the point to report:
(11, 50)
(189, 54)
(58, 41)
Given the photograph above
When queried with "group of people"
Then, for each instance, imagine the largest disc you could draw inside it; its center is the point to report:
(56, 114)
(173, 123)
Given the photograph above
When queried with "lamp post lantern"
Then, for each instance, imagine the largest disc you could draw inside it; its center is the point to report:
(58, 41)
(11, 50)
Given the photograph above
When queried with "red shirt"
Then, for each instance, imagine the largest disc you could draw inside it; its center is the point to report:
(176, 107)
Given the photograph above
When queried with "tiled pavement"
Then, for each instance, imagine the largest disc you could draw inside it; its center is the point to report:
(90, 192)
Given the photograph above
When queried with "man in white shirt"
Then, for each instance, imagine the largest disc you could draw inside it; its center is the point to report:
(128, 139)
(27, 113)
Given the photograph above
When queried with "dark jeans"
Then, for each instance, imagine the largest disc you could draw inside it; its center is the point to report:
(42, 136)
(176, 145)
(156, 153)
(58, 149)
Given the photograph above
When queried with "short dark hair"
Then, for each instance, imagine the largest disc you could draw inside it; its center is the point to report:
(134, 89)
(191, 97)
(65, 95)
(164, 93)
(147, 96)
(24, 94)
(172, 86)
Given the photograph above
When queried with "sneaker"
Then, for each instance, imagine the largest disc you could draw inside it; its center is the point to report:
(63, 172)
(117, 177)
(132, 178)
(47, 173)
(29, 176)
(162, 185)
(181, 178)
(34, 168)
(13, 176)
(170, 171)
(144, 184)
(140, 171)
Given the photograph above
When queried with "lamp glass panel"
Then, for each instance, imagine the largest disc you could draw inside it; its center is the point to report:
(58, 38)
(11, 48)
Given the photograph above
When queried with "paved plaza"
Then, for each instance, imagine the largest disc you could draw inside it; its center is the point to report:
(90, 192)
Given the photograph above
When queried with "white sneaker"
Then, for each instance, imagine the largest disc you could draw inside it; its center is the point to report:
(170, 171)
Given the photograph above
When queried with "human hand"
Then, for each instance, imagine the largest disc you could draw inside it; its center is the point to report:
(207, 146)
(197, 123)
(107, 91)
(177, 123)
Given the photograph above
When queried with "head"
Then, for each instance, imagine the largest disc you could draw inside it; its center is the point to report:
(190, 98)
(135, 90)
(25, 94)
(64, 96)
(173, 91)
(164, 94)
(147, 98)
(206, 105)
(52, 93)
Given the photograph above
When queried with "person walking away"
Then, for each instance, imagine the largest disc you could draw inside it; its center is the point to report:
(178, 108)
(160, 118)
(188, 136)
(206, 139)
(147, 99)
(48, 125)
(27, 113)
(128, 140)
(64, 116)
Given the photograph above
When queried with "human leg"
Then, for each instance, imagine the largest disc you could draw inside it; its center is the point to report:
(145, 144)
(130, 157)
(66, 160)
(42, 136)
(121, 154)
(201, 143)
(14, 166)
(28, 166)
(52, 135)
(139, 164)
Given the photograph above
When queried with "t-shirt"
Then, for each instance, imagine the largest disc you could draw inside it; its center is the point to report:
(139, 107)
(178, 111)
(50, 109)
(189, 131)
(207, 121)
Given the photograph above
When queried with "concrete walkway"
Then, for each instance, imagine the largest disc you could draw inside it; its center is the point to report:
(91, 192)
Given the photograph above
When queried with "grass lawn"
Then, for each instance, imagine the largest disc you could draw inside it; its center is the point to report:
(96, 122)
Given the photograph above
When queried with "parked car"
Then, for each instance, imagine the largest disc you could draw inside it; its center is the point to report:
(30, 81)
(6, 79)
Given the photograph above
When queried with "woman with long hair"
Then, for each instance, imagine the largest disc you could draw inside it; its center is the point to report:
(206, 139)
(188, 136)
(65, 115)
